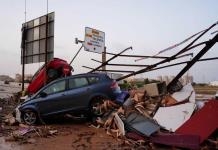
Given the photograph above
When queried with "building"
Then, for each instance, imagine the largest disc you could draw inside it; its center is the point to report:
(184, 80)
(214, 83)
(27, 77)
(18, 78)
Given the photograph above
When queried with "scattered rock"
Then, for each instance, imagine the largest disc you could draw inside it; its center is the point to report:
(10, 139)
(12, 121)
(31, 141)
(23, 125)
(53, 132)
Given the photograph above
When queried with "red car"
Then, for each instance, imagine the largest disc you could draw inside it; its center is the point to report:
(56, 68)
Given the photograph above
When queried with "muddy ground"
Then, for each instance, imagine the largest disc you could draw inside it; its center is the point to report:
(71, 134)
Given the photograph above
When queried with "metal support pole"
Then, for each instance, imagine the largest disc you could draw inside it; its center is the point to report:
(181, 63)
(170, 58)
(128, 65)
(207, 47)
(46, 49)
(141, 56)
(76, 54)
(23, 66)
(104, 58)
(138, 56)
(105, 63)
(124, 71)
(87, 67)
(96, 60)
(23, 47)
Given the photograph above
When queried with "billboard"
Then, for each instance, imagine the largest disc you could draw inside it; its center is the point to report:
(35, 40)
(94, 40)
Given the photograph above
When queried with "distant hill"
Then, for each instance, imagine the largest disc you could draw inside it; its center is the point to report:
(6, 78)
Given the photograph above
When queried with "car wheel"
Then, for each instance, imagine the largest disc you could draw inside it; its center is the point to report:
(30, 117)
(52, 73)
(95, 107)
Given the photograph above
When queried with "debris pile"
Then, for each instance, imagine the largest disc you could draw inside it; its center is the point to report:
(140, 118)
(13, 130)
(151, 116)
(28, 134)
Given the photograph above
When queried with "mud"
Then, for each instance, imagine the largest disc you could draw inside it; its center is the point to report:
(73, 136)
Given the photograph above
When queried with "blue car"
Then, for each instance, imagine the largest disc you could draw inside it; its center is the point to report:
(82, 92)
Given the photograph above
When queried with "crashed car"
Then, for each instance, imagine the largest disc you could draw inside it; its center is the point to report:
(56, 68)
(83, 92)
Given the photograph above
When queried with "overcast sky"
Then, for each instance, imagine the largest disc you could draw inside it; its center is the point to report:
(147, 26)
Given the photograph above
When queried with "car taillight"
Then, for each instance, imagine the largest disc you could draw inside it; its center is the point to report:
(114, 85)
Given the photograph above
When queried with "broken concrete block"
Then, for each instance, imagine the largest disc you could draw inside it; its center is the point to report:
(155, 89)
(10, 139)
(23, 125)
(11, 121)
(31, 141)
(53, 132)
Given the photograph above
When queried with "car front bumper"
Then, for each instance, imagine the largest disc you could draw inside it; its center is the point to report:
(17, 114)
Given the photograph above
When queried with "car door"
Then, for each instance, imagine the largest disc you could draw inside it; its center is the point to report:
(53, 101)
(78, 93)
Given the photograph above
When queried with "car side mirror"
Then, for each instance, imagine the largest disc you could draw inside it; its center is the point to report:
(43, 94)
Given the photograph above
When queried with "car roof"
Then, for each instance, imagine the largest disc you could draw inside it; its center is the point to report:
(82, 75)
(72, 76)
(89, 74)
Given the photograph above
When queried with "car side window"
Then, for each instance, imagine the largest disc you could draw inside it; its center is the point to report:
(56, 87)
(77, 83)
(93, 80)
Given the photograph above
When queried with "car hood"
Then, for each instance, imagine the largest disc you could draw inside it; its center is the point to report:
(27, 99)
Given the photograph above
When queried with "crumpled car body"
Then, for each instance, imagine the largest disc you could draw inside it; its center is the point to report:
(55, 68)
(70, 94)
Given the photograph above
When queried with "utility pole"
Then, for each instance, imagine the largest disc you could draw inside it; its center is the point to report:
(46, 45)
(104, 58)
(23, 47)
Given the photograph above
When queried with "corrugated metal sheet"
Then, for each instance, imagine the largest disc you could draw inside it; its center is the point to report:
(173, 117)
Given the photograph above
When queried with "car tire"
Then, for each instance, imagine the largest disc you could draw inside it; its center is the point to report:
(29, 117)
(52, 73)
(95, 103)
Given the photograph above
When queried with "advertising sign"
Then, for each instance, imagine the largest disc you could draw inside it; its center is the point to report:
(94, 40)
(35, 40)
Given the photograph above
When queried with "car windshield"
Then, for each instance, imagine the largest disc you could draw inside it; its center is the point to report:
(37, 72)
